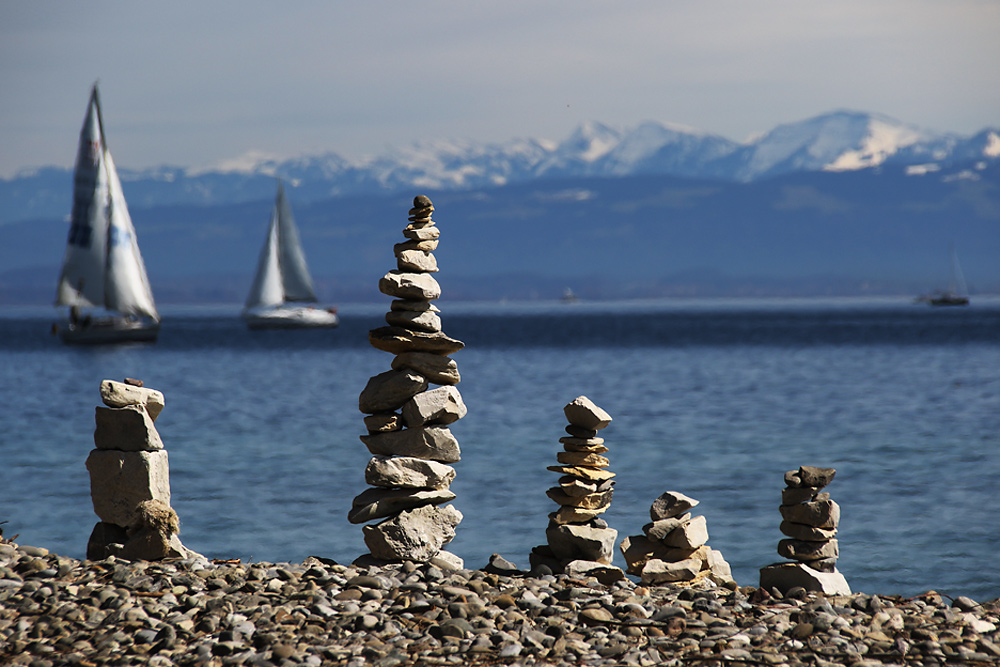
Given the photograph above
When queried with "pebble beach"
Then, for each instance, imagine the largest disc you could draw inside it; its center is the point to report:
(56, 610)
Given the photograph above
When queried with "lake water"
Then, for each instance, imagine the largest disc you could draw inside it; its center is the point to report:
(713, 399)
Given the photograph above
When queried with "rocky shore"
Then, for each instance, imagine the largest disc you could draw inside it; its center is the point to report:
(56, 610)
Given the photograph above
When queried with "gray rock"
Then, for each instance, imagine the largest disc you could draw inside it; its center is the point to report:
(792, 495)
(800, 531)
(383, 422)
(378, 503)
(417, 534)
(435, 443)
(591, 501)
(408, 472)
(398, 340)
(429, 245)
(785, 576)
(442, 405)
(416, 260)
(657, 530)
(407, 285)
(689, 535)
(120, 481)
(422, 233)
(573, 542)
(118, 395)
(584, 413)
(806, 551)
(817, 477)
(670, 504)
(414, 320)
(656, 571)
(436, 368)
(820, 513)
(388, 391)
(418, 306)
(573, 486)
(128, 429)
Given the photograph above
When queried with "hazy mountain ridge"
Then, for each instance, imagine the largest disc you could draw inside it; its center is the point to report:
(837, 141)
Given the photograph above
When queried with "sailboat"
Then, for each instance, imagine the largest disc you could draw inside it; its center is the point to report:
(283, 281)
(102, 268)
(957, 293)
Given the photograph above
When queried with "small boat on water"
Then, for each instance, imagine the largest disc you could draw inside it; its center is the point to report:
(957, 293)
(283, 282)
(102, 268)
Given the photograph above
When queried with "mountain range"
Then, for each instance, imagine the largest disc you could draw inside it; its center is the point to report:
(846, 202)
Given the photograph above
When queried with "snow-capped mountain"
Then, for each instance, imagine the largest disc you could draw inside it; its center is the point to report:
(836, 141)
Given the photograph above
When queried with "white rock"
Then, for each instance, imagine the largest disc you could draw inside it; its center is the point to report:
(435, 443)
(656, 571)
(416, 260)
(416, 320)
(118, 395)
(584, 413)
(406, 285)
(442, 405)
(690, 535)
(119, 481)
(572, 542)
(670, 504)
(378, 503)
(409, 472)
(786, 576)
(416, 534)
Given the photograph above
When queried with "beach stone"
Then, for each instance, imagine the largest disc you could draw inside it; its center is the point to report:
(398, 340)
(442, 405)
(435, 443)
(816, 477)
(378, 503)
(388, 391)
(408, 285)
(436, 368)
(591, 501)
(105, 540)
(639, 549)
(583, 472)
(584, 413)
(785, 576)
(416, 534)
(416, 260)
(793, 495)
(420, 306)
(120, 481)
(660, 529)
(801, 531)
(422, 233)
(604, 573)
(414, 320)
(575, 542)
(689, 535)
(128, 429)
(821, 513)
(570, 514)
(803, 550)
(670, 504)
(408, 472)
(574, 444)
(580, 432)
(383, 422)
(428, 245)
(656, 571)
(721, 571)
(119, 394)
(583, 459)
(572, 486)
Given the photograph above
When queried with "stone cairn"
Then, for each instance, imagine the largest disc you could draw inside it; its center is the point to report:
(130, 479)
(407, 421)
(579, 541)
(809, 519)
(674, 547)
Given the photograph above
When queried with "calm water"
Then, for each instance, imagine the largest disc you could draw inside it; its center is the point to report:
(715, 400)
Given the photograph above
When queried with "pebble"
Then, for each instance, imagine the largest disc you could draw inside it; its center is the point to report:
(62, 611)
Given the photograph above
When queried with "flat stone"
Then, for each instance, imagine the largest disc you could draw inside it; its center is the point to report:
(128, 429)
(583, 459)
(398, 340)
(573, 444)
(435, 367)
(435, 443)
(604, 573)
(414, 320)
(798, 494)
(670, 504)
(584, 413)
(569, 542)
(407, 285)
(821, 513)
(570, 514)
(800, 531)
(689, 535)
(383, 422)
(803, 550)
(388, 391)
(786, 576)
(580, 432)
(572, 486)
(416, 260)
(378, 503)
(657, 530)
(429, 245)
(583, 472)
(408, 472)
(722, 572)
(120, 481)
(442, 405)
(638, 549)
(591, 501)
(817, 477)
(417, 534)
(409, 304)
(422, 234)
(656, 571)
(118, 395)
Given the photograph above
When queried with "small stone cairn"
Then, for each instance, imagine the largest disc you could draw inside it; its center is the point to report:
(130, 479)
(579, 541)
(674, 547)
(810, 521)
(407, 421)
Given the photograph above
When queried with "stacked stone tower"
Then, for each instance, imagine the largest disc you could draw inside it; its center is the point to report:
(674, 547)
(578, 539)
(810, 520)
(407, 419)
(130, 478)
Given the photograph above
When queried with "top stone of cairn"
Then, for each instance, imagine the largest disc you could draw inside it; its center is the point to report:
(584, 413)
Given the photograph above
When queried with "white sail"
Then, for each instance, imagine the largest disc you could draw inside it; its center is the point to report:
(957, 285)
(102, 266)
(282, 274)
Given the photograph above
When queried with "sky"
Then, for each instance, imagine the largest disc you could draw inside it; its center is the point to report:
(194, 83)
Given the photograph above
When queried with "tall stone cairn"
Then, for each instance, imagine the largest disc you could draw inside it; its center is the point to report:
(579, 541)
(674, 547)
(407, 419)
(809, 519)
(130, 478)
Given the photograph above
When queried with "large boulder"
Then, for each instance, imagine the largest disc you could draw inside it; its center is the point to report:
(121, 481)
(416, 535)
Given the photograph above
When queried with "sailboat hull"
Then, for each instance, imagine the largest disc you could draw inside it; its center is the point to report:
(285, 317)
(105, 331)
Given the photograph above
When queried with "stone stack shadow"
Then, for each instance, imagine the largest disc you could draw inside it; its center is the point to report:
(407, 420)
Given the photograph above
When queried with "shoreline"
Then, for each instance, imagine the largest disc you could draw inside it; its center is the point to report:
(56, 610)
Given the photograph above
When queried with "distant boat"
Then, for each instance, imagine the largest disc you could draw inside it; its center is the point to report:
(102, 267)
(283, 280)
(569, 296)
(957, 293)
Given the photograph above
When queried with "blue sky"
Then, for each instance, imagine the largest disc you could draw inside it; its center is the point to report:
(193, 83)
